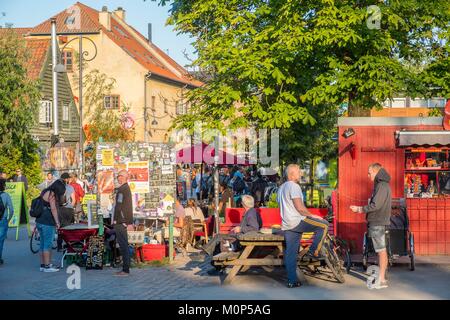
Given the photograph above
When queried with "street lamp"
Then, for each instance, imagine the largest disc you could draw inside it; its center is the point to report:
(82, 56)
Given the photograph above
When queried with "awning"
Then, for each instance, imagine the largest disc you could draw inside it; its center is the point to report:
(423, 138)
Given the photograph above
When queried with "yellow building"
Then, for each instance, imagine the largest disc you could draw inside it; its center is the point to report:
(147, 81)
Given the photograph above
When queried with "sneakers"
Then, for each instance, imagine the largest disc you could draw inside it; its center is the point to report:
(121, 274)
(294, 284)
(381, 285)
(48, 268)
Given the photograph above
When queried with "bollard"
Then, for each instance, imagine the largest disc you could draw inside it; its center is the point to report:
(171, 238)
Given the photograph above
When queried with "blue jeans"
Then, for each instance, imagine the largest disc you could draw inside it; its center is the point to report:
(292, 238)
(3, 233)
(47, 234)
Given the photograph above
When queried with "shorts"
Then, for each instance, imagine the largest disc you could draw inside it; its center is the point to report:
(47, 235)
(378, 236)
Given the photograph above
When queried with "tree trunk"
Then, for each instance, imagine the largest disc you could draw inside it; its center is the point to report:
(356, 110)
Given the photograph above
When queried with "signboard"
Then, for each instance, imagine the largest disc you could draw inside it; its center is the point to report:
(90, 208)
(95, 253)
(16, 190)
(152, 176)
(61, 158)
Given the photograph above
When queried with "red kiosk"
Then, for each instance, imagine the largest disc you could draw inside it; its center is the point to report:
(416, 153)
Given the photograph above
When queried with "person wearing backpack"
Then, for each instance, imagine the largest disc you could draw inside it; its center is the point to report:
(6, 213)
(48, 220)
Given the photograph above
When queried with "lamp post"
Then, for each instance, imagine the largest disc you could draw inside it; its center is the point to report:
(82, 56)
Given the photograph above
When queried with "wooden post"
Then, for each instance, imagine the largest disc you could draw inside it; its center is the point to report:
(171, 238)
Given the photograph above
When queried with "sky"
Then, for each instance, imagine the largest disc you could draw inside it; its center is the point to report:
(29, 13)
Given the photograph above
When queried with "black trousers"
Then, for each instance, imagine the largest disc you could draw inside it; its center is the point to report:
(122, 240)
(66, 217)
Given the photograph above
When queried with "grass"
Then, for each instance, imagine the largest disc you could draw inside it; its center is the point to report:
(154, 263)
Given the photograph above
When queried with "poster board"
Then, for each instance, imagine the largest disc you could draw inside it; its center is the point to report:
(152, 176)
(16, 190)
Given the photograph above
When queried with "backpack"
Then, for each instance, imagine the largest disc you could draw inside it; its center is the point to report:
(238, 185)
(2, 207)
(194, 183)
(37, 207)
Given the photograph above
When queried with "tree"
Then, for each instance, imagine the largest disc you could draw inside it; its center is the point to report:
(281, 59)
(107, 124)
(19, 99)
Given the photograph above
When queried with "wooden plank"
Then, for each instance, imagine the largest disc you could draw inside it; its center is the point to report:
(260, 243)
(223, 256)
(255, 262)
(234, 271)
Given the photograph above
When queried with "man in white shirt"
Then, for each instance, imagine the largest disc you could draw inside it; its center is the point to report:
(296, 219)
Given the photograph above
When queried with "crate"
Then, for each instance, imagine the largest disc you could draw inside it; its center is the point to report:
(153, 252)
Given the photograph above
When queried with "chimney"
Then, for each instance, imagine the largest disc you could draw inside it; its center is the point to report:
(150, 32)
(119, 12)
(104, 17)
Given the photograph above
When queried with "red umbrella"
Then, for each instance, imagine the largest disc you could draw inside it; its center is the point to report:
(204, 153)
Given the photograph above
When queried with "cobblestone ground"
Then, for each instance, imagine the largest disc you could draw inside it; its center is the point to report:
(20, 278)
(186, 280)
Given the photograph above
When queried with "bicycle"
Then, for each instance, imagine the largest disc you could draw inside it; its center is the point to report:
(328, 258)
(35, 241)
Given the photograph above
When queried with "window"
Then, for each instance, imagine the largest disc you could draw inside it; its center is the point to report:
(70, 20)
(45, 112)
(153, 103)
(112, 102)
(66, 112)
(180, 107)
(165, 106)
(67, 60)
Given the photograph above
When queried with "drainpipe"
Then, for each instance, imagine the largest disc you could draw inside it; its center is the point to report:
(55, 78)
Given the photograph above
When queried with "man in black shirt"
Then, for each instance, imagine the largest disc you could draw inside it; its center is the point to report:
(123, 216)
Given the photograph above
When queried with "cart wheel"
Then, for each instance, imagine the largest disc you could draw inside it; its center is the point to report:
(412, 266)
(364, 262)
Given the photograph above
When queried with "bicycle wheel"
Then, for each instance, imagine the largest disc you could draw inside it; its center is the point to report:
(55, 241)
(35, 241)
(343, 252)
(332, 261)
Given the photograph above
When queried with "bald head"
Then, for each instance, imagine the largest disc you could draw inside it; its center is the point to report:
(293, 172)
(122, 177)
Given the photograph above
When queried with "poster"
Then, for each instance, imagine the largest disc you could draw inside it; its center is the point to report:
(91, 201)
(108, 157)
(105, 181)
(138, 177)
(60, 158)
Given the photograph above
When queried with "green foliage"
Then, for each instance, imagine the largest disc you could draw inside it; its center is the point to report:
(19, 98)
(435, 112)
(274, 62)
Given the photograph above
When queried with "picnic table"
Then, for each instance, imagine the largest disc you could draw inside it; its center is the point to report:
(241, 261)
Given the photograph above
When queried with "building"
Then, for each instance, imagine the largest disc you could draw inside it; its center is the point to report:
(147, 81)
(39, 68)
(415, 152)
(409, 107)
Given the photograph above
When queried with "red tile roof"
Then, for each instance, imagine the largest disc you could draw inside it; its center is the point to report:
(19, 31)
(89, 23)
(37, 50)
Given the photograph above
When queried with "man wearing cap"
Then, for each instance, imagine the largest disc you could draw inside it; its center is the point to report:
(123, 217)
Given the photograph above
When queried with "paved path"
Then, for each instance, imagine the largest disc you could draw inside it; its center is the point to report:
(185, 279)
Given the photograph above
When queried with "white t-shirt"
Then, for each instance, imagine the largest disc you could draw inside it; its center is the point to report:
(290, 217)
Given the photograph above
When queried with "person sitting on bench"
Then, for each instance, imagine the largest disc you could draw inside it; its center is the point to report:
(251, 221)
